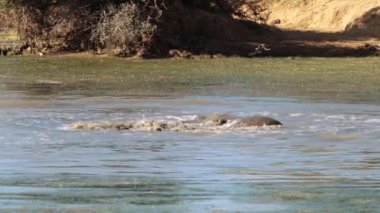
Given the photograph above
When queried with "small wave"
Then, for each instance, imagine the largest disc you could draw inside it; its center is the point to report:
(374, 120)
(296, 114)
(212, 123)
(334, 117)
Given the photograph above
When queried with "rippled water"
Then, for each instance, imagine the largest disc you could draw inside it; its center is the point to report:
(326, 157)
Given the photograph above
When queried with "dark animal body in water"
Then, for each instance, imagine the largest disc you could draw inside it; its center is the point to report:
(259, 121)
(245, 122)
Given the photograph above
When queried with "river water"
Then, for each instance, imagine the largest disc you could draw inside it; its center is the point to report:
(326, 157)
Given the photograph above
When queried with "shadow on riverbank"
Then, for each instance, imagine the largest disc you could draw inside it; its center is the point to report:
(284, 43)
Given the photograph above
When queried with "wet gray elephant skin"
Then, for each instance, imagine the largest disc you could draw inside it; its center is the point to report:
(259, 121)
(244, 122)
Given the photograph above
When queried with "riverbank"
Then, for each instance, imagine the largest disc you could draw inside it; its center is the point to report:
(271, 42)
(340, 30)
(325, 28)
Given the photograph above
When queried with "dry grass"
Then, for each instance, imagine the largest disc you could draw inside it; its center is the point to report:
(8, 35)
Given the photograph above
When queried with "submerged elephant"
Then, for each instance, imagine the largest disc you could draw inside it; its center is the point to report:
(210, 123)
(218, 119)
(259, 121)
(244, 122)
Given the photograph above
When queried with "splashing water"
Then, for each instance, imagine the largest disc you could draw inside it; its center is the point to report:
(195, 124)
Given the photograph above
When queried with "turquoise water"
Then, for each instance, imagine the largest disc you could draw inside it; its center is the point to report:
(325, 158)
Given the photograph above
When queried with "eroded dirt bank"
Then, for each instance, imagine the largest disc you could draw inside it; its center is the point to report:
(294, 28)
(324, 27)
(312, 28)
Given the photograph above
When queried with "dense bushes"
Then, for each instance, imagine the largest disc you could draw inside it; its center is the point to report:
(121, 27)
(55, 25)
(126, 29)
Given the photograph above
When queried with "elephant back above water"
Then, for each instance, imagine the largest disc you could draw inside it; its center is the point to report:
(259, 121)
(222, 119)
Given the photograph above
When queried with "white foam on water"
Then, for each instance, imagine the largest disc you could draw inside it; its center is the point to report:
(334, 117)
(182, 118)
(373, 120)
(296, 114)
(262, 113)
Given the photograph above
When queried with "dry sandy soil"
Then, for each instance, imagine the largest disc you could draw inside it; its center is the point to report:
(328, 27)
(320, 15)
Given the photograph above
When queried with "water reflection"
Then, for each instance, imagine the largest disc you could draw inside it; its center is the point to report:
(43, 88)
(68, 190)
(334, 79)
